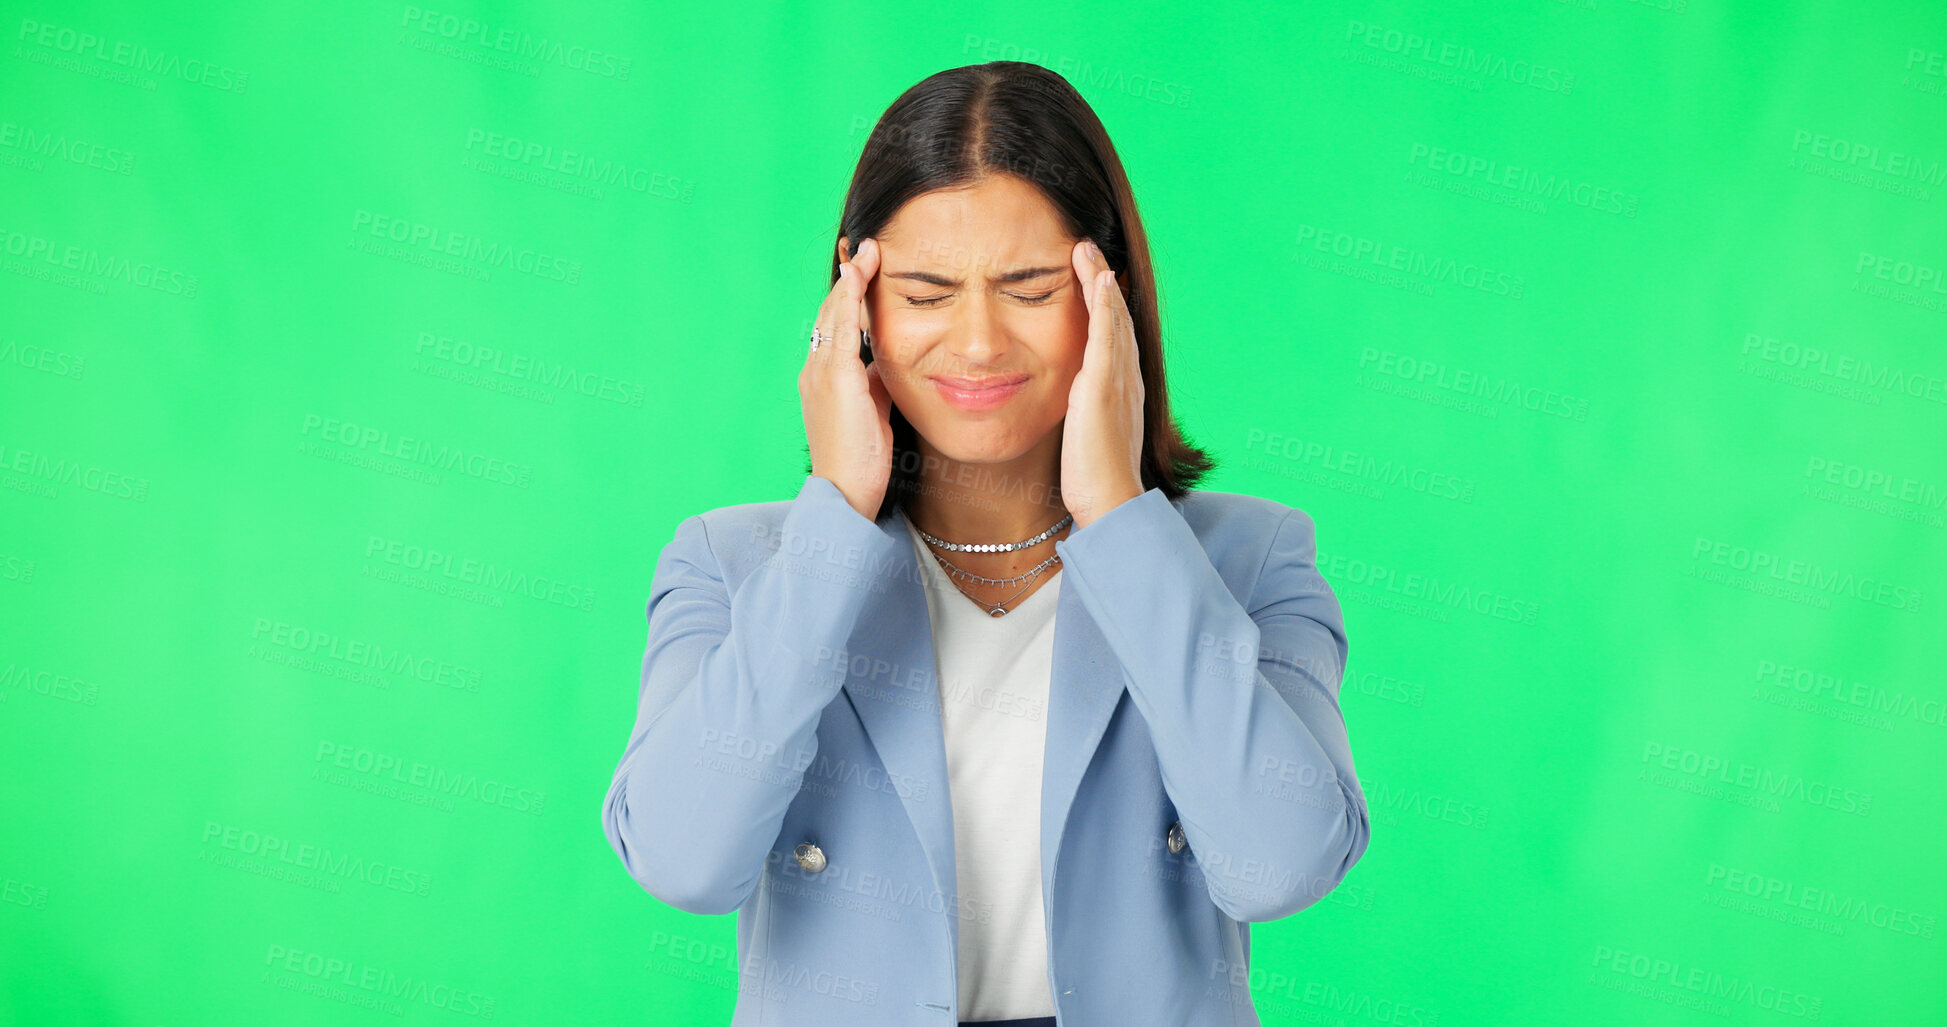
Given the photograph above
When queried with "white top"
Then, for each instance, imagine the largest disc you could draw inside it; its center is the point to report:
(994, 674)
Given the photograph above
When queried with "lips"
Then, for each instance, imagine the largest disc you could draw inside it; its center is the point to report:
(978, 393)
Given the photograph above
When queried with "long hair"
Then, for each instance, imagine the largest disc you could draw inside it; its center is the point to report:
(958, 126)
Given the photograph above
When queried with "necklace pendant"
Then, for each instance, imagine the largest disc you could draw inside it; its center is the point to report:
(996, 611)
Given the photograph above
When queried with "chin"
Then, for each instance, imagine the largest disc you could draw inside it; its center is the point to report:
(959, 437)
(978, 449)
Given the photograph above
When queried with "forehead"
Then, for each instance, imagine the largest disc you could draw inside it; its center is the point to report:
(995, 222)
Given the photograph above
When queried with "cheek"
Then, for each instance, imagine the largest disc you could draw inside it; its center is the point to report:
(896, 348)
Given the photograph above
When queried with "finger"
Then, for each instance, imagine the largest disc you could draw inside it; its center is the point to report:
(847, 296)
(831, 318)
(822, 325)
(867, 260)
(1123, 330)
(866, 263)
(1098, 352)
(1085, 268)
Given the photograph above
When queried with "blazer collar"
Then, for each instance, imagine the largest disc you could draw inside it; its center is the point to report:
(1084, 686)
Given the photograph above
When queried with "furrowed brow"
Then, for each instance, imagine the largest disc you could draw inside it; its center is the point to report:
(1005, 278)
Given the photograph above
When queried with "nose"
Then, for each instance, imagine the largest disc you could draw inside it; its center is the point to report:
(981, 336)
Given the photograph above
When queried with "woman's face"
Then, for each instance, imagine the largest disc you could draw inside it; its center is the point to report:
(976, 286)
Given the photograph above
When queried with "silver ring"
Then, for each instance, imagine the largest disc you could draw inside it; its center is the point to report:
(817, 338)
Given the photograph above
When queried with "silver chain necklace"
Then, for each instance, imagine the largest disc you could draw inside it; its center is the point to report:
(993, 609)
(991, 547)
(954, 568)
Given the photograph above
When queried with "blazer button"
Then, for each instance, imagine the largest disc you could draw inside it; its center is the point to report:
(1176, 838)
(810, 857)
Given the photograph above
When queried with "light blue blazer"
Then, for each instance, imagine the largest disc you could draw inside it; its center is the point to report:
(788, 761)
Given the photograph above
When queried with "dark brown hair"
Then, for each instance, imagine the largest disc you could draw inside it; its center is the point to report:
(1008, 117)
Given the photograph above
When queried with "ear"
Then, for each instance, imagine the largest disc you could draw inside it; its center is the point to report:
(844, 251)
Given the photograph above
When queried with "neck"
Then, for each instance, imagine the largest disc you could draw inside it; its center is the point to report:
(990, 502)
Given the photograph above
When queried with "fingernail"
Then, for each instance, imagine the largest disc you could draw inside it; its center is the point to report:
(1094, 250)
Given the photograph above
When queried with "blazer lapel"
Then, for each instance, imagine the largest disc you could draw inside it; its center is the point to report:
(1085, 684)
(896, 626)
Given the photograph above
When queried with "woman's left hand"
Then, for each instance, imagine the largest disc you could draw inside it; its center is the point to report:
(1102, 435)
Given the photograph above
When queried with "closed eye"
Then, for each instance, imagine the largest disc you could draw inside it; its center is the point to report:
(935, 300)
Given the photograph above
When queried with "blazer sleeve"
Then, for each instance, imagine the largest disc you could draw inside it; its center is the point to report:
(1241, 700)
(732, 691)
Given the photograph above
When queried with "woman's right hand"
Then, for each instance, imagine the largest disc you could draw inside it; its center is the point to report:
(847, 409)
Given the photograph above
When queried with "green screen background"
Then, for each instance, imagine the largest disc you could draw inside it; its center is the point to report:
(1602, 340)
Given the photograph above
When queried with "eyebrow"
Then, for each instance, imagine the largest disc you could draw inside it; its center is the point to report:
(1006, 277)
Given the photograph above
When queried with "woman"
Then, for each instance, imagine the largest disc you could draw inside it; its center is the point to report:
(997, 721)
